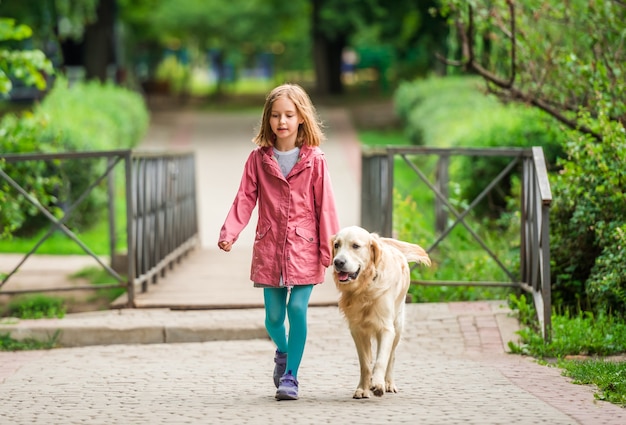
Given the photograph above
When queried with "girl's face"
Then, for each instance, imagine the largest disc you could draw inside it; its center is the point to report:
(284, 122)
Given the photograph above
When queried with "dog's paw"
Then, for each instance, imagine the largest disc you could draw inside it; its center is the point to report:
(361, 393)
(378, 389)
(391, 387)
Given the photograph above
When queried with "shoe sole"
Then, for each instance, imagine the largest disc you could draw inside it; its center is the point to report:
(282, 396)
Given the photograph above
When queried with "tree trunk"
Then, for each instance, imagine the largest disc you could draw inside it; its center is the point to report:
(99, 42)
(326, 57)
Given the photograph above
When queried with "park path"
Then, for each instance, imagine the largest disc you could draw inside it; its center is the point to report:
(162, 366)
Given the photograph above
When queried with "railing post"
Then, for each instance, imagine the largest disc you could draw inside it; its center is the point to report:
(111, 205)
(546, 286)
(441, 212)
(375, 192)
(545, 196)
(130, 228)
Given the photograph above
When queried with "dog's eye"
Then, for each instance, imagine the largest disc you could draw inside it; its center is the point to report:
(356, 246)
(336, 245)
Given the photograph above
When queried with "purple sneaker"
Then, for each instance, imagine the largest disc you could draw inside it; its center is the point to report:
(280, 364)
(287, 387)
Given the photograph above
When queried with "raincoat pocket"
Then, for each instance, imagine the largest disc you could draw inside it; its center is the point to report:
(306, 234)
(262, 229)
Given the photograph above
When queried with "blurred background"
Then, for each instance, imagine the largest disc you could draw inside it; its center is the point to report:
(208, 48)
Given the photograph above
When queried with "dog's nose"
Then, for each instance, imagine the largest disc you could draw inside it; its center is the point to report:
(339, 263)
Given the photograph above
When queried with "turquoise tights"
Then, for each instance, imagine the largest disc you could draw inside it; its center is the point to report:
(276, 307)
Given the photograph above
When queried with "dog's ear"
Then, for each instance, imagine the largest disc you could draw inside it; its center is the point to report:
(375, 249)
(332, 244)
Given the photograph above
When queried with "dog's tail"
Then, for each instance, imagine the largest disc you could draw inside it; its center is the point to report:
(412, 252)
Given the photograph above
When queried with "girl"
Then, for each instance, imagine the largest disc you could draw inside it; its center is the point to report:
(287, 176)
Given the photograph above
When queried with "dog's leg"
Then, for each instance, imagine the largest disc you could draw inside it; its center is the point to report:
(398, 325)
(390, 385)
(363, 345)
(385, 339)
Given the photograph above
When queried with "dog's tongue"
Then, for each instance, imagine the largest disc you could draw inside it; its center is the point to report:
(343, 275)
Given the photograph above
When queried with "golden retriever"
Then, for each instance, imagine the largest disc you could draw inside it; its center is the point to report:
(373, 277)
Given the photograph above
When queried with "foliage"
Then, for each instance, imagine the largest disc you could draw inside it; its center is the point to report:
(93, 116)
(36, 307)
(589, 222)
(29, 66)
(569, 61)
(212, 35)
(84, 117)
(609, 377)
(9, 344)
(452, 111)
(441, 111)
(65, 19)
(564, 52)
(19, 135)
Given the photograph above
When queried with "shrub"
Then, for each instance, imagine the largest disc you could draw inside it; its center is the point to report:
(18, 136)
(589, 222)
(440, 111)
(453, 111)
(84, 117)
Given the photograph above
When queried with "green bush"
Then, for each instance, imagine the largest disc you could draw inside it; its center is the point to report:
(84, 117)
(19, 135)
(441, 111)
(588, 179)
(588, 230)
(454, 111)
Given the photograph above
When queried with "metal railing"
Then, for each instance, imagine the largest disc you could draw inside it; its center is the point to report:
(161, 214)
(534, 274)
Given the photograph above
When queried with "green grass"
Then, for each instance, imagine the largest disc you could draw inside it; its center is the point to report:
(9, 344)
(584, 334)
(609, 378)
(591, 339)
(35, 307)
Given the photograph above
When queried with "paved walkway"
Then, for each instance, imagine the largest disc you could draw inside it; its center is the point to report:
(451, 369)
(159, 366)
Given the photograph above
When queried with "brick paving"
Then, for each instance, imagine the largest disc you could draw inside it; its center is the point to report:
(452, 368)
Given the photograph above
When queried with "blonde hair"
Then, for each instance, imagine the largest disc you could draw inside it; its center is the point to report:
(309, 132)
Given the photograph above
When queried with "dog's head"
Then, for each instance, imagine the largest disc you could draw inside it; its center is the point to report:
(355, 252)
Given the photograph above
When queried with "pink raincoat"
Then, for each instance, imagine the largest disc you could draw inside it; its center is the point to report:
(296, 217)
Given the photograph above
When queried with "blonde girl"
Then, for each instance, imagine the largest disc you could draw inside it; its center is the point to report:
(287, 178)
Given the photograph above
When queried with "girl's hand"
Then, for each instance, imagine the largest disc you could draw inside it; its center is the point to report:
(225, 245)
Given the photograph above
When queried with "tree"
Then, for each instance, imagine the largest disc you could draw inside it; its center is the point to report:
(59, 28)
(568, 59)
(30, 66)
(557, 56)
(232, 32)
(406, 26)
